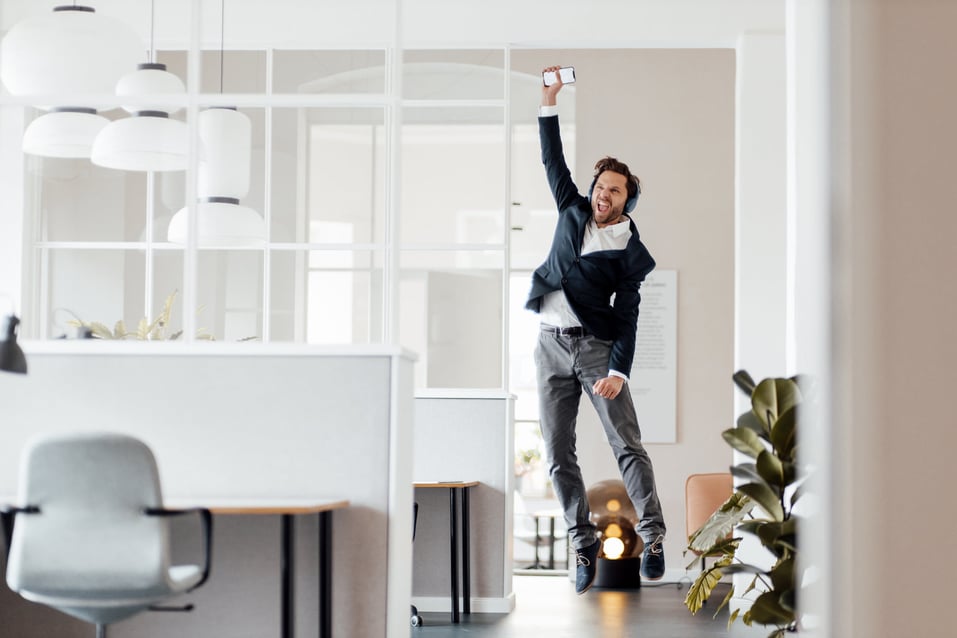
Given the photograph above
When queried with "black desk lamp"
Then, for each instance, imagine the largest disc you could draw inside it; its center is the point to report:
(11, 356)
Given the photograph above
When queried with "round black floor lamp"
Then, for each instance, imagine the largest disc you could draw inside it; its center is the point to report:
(619, 559)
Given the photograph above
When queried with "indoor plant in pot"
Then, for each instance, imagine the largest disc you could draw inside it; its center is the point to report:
(762, 505)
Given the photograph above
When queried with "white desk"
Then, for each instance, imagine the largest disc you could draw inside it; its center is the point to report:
(458, 528)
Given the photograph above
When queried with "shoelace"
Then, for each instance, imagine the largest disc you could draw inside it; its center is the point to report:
(582, 559)
(655, 546)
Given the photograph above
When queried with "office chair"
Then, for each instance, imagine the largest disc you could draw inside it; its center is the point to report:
(704, 494)
(91, 537)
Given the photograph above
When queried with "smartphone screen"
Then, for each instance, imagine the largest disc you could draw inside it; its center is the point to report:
(567, 74)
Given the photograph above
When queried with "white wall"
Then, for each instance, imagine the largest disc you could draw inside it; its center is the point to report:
(895, 148)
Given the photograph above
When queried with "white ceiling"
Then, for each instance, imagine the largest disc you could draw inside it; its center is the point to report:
(439, 23)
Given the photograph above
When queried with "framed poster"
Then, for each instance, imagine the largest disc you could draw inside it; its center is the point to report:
(654, 376)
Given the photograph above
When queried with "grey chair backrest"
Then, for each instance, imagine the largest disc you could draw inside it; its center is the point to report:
(90, 538)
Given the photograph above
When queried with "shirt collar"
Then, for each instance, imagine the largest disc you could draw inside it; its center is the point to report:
(615, 230)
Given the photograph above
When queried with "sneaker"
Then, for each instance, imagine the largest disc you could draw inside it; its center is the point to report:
(653, 559)
(587, 559)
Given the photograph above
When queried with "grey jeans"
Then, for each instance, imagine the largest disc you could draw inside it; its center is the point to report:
(566, 365)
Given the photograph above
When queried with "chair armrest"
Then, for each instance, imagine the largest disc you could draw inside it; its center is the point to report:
(8, 514)
(206, 518)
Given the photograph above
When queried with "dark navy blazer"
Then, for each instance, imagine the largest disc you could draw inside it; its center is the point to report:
(589, 281)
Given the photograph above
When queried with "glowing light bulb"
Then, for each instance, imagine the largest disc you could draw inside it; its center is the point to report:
(613, 548)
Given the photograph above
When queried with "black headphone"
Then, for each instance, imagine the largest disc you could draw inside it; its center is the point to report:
(630, 203)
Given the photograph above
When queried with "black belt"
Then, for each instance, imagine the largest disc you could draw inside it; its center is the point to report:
(574, 331)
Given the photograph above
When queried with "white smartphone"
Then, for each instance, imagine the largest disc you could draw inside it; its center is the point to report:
(567, 75)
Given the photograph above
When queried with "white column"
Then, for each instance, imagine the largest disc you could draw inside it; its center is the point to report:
(810, 273)
(11, 212)
(760, 227)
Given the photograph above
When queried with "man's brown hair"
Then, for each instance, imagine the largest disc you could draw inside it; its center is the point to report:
(611, 164)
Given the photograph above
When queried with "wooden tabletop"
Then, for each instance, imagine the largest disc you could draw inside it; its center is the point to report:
(449, 484)
(260, 505)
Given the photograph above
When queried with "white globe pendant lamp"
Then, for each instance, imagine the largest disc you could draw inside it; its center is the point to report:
(64, 132)
(149, 140)
(225, 135)
(71, 51)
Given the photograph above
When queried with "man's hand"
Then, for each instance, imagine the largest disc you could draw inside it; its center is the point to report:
(609, 387)
(549, 93)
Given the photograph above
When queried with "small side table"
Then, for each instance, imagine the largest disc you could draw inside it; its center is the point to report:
(551, 515)
(457, 523)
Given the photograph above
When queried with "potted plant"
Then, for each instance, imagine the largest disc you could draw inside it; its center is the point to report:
(762, 505)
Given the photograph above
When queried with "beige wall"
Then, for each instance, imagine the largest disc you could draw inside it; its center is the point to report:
(896, 316)
(669, 114)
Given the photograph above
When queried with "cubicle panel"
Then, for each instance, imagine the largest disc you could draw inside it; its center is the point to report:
(246, 422)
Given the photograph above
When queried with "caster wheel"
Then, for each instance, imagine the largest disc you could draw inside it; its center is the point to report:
(416, 621)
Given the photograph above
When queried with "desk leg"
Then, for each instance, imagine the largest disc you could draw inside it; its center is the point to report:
(551, 542)
(325, 574)
(538, 541)
(466, 580)
(287, 575)
(454, 554)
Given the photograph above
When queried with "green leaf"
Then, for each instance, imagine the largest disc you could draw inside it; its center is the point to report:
(715, 530)
(744, 381)
(724, 603)
(734, 614)
(143, 330)
(701, 588)
(747, 471)
(784, 434)
(772, 398)
(767, 610)
(796, 495)
(750, 421)
(766, 499)
(783, 575)
(771, 470)
(744, 441)
(101, 331)
(743, 568)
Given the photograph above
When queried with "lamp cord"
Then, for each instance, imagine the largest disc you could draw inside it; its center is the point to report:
(152, 54)
(222, 38)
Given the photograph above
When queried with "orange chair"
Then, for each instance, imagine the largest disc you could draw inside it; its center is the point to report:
(705, 493)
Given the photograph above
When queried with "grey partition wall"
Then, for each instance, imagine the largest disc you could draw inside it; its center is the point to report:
(241, 423)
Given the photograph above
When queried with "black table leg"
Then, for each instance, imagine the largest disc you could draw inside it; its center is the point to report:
(454, 557)
(325, 574)
(287, 574)
(466, 580)
(551, 543)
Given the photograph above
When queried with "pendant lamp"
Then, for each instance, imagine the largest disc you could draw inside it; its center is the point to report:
(71, 51)
(225, 134)
(149, 140)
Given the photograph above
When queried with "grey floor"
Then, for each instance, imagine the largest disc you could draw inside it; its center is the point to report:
(548, 606)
